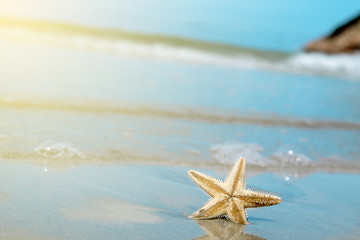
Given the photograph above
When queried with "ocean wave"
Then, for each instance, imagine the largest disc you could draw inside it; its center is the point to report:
(230, 152)
(179, 49)
(52, 155)
(341, 65)
(192, 114)
(288, 160)
(288, 156)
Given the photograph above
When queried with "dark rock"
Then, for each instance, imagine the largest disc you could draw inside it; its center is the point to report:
(344, 39)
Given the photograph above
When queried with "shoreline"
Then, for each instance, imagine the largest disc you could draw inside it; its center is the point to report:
(289, 169)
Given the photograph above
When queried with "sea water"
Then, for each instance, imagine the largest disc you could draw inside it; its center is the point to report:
(75, 94)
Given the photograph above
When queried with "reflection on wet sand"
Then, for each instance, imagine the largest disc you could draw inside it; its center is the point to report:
(222, 229)
(111, 211)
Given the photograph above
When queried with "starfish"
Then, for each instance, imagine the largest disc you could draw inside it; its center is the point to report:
(230, 198)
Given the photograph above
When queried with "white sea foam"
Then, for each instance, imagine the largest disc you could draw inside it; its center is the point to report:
(57, 150)
(289, 160)
(286, 156)
(290, 155)
(339, 66)
(229, 152)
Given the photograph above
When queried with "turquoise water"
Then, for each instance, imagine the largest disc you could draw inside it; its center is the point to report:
(78, 94)
(91, 105)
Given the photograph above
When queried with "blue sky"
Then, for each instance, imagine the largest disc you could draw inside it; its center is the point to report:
(278, 24)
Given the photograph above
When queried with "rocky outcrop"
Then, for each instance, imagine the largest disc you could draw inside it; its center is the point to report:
(344, 39)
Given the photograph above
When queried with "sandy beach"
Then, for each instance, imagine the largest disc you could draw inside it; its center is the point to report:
(153, 202)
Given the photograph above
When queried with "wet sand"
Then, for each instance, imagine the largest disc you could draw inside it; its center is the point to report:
(152, 202)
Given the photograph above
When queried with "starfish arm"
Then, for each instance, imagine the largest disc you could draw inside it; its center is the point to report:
(252, 199)
(214, 208)
(236, 212)
(235, 182)
(210, 185)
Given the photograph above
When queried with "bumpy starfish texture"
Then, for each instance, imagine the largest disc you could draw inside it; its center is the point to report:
(230, 198)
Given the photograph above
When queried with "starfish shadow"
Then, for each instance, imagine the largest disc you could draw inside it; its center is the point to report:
(222, 229)
(257, 219)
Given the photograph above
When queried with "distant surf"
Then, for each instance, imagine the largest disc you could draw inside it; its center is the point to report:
(194, 114)
(169, 48)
